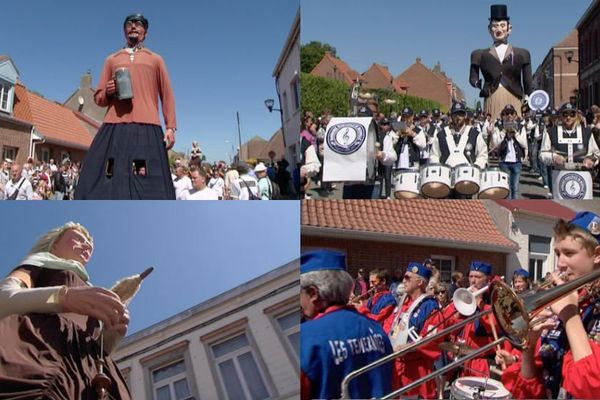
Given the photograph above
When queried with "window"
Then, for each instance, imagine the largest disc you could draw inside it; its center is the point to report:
(284, 106)
(168, 374)
(9, 152)
(539, 249)
(295, 87)
(45, 154)
(6, 93)
(170, 382)
(238, 370)
(446, 266)
(289, 324)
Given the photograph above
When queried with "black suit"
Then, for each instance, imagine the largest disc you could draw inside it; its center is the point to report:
(514, 72)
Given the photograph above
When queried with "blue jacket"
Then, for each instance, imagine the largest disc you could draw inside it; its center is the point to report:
(338, 343)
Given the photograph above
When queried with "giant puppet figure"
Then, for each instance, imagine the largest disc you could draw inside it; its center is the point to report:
(506, 70)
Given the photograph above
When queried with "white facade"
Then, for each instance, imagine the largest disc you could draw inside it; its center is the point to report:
(240, 344)
(287, 82)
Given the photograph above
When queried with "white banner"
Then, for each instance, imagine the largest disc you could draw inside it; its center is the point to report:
(349, 150)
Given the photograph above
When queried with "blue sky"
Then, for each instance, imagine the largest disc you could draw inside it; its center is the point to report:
(395, 33)
(198, 249)
(220, 56)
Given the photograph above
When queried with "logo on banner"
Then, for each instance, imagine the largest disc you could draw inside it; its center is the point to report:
(572, 186)
(346, 137)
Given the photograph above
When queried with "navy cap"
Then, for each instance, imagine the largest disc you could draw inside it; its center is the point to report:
(423, 114)
(383, 121)
(436, 112)
(419, 269)
(458, 107)
(588, 221)
(407, 111)
(567, 107)
(322, 260)
(521, 272)
(508, 109)
(481, 266)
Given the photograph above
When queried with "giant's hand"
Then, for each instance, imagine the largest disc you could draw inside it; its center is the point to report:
(169, 138)
(98, 303)
(111, 88)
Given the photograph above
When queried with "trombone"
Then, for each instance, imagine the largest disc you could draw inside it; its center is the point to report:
(512, 312)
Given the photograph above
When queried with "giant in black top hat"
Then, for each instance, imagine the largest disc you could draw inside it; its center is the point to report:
(499, 12)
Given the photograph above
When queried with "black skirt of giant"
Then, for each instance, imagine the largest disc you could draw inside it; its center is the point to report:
(126, 162)
(53, 356)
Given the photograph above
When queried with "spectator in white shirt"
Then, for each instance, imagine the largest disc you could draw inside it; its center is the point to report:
(181, 182)
(199, 191)
(18, 188)
(246, 186)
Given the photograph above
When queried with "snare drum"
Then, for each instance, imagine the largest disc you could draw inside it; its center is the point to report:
(407, 184)
(436, 181)
(467, 388)
(465, 179)
(493, 184)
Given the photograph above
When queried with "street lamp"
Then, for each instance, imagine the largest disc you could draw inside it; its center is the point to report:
(569, 55)
(270, 103)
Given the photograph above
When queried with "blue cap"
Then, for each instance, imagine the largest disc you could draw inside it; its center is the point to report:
(521, 272)
(322, 260)
(458, 107)
(588, 221)
(481, 266)
(567, 107)
(419, 269)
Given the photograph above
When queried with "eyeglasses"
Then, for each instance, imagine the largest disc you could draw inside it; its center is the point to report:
(137, 24)
(571, 114)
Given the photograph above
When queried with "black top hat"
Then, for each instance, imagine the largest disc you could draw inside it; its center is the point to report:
(499, 12)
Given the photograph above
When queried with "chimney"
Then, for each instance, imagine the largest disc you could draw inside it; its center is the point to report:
(86, 80)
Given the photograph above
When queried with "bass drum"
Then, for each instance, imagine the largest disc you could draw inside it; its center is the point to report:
(465, 178)
(494, 184)
(436, 181)
(467, 388)
(407, 184)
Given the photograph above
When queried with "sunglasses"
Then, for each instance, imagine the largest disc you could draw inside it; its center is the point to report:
(571, 114)
(441, 291)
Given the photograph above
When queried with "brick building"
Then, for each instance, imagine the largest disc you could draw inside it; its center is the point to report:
(379, 77)
(588, 58)
(334, 68)
(82, 100)
(557, 75)
(32, 126)
(389, 234)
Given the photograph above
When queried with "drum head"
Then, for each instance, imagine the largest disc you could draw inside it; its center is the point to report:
(480, 388)
(435, 190)
(403, 194)
(466, 187)
(495, 193)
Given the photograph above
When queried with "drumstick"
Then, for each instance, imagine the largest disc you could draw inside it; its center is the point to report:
(494, 332)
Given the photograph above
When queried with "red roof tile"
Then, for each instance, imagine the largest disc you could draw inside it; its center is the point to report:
(456, 221)
(540, 207)
(54, 121)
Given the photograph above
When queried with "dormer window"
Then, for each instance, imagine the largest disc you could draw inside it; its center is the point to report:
(7, 91)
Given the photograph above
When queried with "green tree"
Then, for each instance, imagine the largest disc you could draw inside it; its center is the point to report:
(319, 94)
(311, 53)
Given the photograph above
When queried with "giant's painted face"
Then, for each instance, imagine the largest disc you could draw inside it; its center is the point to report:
(500, 30)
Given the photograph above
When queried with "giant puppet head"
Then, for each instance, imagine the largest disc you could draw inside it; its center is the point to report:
(499, 26)
(136, 29)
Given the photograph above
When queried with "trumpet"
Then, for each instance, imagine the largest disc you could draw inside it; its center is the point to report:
(513, 313)
(465, 301)
(357, 299)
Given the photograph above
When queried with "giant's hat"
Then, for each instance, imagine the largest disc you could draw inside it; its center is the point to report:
(499, 12)
(136, 17)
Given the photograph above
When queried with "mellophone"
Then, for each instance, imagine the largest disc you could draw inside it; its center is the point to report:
(437, 180)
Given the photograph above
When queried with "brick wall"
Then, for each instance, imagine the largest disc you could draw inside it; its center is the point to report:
(370, 255)
(18, 137)
(425, 84)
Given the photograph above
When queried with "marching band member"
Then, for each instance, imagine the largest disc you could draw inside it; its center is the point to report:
(430, 130)
(480, 332)
(511, 142)
(389, 136)
(409, 322)
(336, 340)
(459, 143)
(381, 305)
(410, 143)
(436, 118)
(568, 354)
(563, 145)
(506, 70)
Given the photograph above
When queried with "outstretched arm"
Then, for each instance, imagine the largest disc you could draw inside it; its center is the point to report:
(474, 79)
